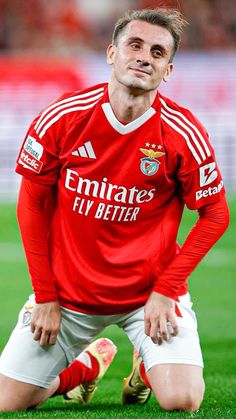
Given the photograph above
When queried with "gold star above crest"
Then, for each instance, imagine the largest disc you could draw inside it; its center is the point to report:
(28, 308)
(151, 153)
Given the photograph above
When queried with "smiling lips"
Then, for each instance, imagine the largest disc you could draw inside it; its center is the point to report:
(140, 70)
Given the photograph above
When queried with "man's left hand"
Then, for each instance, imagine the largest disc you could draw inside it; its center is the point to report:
(159, 312)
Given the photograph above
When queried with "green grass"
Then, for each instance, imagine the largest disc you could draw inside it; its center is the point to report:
(213, 290)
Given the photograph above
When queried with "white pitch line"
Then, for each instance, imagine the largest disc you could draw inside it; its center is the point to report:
(11, 252)
(220, 257)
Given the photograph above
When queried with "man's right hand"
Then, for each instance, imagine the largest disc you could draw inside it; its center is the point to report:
(45, 322)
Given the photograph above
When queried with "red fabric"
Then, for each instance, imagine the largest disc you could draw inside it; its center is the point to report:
(77, 373)
(213, 221)
(34, 212)
(177, 311)
(143, 375)
(112, 237)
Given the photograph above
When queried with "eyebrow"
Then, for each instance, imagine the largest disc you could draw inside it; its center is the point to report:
(155, 46)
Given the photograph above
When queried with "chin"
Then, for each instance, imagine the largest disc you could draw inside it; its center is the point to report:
(137, 84)
(134, 83)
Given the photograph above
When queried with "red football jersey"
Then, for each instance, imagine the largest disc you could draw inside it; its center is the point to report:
(121, 193)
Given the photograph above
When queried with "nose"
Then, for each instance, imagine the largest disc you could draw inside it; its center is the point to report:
(144, 58)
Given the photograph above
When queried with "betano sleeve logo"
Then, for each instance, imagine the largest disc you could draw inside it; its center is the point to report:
(30, 155)
(207, 175)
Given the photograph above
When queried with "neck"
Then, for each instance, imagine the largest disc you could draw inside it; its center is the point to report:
(129, 104)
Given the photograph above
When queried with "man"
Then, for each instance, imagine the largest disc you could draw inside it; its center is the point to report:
(106, 175)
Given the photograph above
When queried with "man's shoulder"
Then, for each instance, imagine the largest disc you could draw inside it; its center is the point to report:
(67, 108)
(85, 95)
(168, 104)
(174, 113)
(186, 133)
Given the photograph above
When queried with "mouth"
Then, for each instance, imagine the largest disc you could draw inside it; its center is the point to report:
(140, 70)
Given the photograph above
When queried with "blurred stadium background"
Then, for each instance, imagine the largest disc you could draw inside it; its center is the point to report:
(48, 47)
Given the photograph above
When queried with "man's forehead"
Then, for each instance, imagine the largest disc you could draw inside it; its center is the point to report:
(147, 31)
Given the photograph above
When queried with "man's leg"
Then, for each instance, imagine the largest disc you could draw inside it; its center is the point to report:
(89, 367)
(17, 396)
(174, 368)
(177, 386)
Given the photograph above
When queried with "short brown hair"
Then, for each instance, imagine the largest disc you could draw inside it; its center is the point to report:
(170, 19)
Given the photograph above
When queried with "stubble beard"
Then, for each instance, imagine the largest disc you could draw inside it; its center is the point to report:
(135, 85)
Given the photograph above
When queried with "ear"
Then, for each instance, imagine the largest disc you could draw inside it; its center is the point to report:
(110, 54)
(168, 72)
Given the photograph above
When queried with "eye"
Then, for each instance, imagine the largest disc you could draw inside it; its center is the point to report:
(135, 45)
(156, 53)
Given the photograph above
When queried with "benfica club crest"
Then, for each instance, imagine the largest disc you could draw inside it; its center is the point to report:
(149, 165)
(26, 319)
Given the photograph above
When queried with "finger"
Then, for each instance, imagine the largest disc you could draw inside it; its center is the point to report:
(163, 329)
(159, 339)
(32, 327)
(52, 338)
(174, 324)
(175, 329)
(37, 333)
(44, 339)
(154, 331)
(147, 326)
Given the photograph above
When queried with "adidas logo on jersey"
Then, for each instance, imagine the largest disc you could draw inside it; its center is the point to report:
(85, 150)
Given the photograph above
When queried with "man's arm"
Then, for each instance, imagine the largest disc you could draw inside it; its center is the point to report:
(160, 307)
(36, 204)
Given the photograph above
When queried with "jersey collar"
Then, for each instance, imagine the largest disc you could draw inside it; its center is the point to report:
(117, 125)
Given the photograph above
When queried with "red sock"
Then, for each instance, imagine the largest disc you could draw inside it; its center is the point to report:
(143, 375)
(76, 374)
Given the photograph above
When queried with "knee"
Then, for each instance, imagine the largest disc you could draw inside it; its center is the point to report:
(14, 396)
(185, 403)
(186, 400)
(11, 404)
(8, 407)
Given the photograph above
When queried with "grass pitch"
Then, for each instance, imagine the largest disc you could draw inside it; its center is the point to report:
(213, 290)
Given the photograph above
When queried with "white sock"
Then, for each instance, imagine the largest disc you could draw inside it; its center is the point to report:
(85, 359)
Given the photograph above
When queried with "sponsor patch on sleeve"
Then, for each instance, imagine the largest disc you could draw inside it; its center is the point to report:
(31, 154)
(208, 175)
(211, 190)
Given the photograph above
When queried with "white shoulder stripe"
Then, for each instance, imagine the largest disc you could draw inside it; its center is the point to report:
(176, 128)
(65, 105)
(193, 137)
(59, 115)
(190, 124)
(70, 99)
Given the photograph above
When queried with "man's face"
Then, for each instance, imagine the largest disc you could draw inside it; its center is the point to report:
(141, 58)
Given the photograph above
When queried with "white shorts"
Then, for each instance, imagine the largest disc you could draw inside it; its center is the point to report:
(25, 360)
